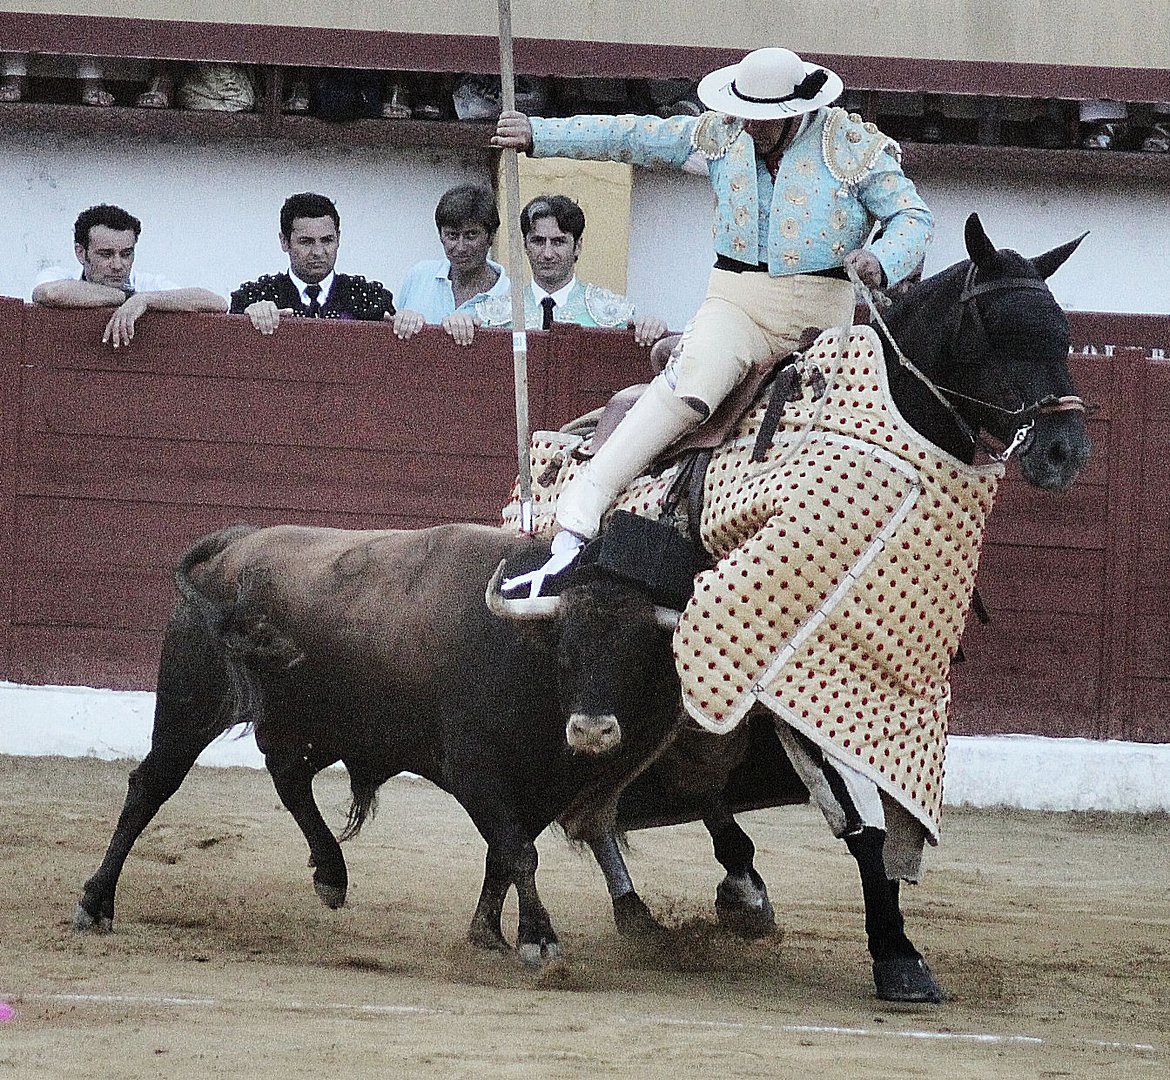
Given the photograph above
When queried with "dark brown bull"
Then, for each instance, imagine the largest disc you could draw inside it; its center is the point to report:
(376, 649)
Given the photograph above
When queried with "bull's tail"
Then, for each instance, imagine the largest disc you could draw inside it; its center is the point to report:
(364, 790)
(246, 642)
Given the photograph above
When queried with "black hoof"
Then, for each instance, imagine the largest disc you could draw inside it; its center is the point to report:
(84, 922)
(743, 908)
(332, 896)
(538, 954)
(906, 978)
(633, 918)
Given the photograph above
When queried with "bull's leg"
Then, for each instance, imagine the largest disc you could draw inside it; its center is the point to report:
(175, 746)
(511, 858)
(293, 779)
(741, 898)
(853, 808)
(485, 931)
(630, 914)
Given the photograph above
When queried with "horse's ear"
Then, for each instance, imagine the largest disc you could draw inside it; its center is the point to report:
(979, 247)
(1048, 263)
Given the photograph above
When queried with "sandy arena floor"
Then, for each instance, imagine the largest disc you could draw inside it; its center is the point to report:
(1050, 932)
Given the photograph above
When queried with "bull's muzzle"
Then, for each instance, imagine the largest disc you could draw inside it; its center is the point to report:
(593, 734)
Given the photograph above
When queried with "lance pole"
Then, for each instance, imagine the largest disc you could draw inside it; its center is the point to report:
(516, 273)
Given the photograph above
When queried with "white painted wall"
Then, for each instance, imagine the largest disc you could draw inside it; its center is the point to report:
(1021, 771)
(209, 211)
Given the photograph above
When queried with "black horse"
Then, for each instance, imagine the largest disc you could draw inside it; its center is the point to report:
(981, 347)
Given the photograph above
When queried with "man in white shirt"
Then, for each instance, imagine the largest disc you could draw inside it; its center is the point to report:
(104, 239)
(552, 227)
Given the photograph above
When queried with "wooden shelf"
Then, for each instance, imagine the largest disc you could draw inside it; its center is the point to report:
(1023, 161)
(184, 123)
(919, 158)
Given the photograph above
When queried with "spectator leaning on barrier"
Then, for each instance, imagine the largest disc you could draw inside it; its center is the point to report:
(552, 227)
(310, 233)
(104, 239)
(446, 290)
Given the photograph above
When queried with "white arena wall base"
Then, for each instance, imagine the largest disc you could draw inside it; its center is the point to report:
(1022, 771)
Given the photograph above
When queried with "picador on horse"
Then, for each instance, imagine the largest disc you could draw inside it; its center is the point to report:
(841, 544)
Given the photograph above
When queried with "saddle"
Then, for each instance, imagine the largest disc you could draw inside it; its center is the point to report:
(716, 428)
(694, 450)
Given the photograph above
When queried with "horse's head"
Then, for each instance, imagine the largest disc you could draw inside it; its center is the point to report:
(991, 337)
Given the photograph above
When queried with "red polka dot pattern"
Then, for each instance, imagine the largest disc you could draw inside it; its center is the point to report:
(848, 558)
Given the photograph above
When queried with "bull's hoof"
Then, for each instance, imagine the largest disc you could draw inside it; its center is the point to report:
(536, 954)
(633, 918)
(743, 908)
(84, 922)
(487, 938)
(332, 896)
(906, 978)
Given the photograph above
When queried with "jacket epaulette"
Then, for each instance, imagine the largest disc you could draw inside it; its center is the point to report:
(714, 133)
(852, 146)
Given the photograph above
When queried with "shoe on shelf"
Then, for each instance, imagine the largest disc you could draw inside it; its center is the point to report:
(1103, 135)
(1157, 140)
(13, 88)
(158, 94)
(298, 98)
(396, 102)
(93, 92)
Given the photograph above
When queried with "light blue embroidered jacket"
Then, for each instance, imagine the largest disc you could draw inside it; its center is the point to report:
(838, 177)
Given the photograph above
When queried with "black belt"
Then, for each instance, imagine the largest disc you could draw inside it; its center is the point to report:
(725, 262)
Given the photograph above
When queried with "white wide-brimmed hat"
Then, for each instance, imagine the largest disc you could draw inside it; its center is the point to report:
(769, 84)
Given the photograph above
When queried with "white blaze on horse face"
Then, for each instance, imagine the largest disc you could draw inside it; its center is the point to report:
(592, 734)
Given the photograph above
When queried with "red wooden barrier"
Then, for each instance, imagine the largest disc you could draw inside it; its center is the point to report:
(112, 462)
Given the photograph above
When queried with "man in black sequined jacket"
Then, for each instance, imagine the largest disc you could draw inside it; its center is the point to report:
(310, 232)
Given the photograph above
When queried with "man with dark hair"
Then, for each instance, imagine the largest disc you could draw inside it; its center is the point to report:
(552, 227)
(104, 239)
(445, 291)
(310, 233)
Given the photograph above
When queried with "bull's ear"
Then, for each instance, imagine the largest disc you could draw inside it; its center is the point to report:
(979, 247)
(1050, 261)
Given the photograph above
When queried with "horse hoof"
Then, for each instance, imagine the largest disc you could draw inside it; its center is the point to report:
(743, 908)
(633, 918)
(538, 953)
(84, 922)
(906, 978)
(749, 923)
(332, 896)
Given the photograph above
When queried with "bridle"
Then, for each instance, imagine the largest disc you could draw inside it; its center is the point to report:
(1025, 415)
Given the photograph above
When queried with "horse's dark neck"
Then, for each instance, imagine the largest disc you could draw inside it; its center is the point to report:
(923, 325)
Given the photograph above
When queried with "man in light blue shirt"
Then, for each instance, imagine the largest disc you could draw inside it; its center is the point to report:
(445, 291)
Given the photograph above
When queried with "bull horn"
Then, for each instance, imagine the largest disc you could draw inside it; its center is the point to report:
(666, 618)
(540, 607)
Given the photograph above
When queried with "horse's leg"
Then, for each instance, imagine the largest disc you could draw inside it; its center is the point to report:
(180, 736)
(853, 808)
(292, 775)
(899, 971)
(631, 916)
(741, 898)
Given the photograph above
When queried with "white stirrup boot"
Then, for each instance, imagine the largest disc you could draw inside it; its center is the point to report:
(656, 419)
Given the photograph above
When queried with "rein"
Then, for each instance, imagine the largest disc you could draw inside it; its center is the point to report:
(1027, 414)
